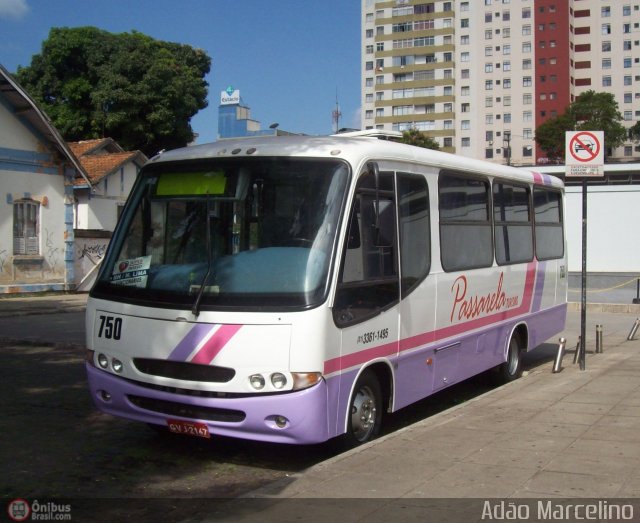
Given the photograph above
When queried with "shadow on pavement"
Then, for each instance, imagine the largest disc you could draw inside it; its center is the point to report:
(56, 445)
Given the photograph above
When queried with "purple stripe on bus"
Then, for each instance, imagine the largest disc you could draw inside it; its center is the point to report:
(193, 338)
(537, 294)
(542, 179)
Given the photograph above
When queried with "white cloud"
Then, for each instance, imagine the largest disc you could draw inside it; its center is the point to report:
(13, 9)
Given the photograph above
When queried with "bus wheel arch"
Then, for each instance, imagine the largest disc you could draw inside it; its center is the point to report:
(370, 398)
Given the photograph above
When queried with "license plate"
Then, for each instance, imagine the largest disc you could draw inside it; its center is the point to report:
(189, 428)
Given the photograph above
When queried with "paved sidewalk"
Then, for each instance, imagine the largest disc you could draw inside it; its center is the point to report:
(574, 434)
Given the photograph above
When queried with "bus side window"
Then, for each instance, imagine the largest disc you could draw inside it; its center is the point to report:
(548, 223)
(368, 281)
(513, 231)
(466, 239)
(415, 235)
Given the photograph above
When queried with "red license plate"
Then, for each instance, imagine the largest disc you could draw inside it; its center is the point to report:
(189, 428)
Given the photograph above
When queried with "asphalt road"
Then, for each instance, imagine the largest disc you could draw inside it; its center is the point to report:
(64, 327)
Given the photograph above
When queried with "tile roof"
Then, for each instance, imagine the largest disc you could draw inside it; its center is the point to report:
(79, 148)
(97, 166)
(101, 157)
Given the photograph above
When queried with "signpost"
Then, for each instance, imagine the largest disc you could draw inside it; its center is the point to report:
(584, 158)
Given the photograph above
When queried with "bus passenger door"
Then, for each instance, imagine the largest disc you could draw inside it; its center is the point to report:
(366, 303)
(414, 374)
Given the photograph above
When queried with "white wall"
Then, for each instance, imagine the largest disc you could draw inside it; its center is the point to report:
(99, 212)
(613, 218)
(13, 134)
(27, 170)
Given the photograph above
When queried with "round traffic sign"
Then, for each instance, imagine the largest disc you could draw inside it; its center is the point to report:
(584, 147)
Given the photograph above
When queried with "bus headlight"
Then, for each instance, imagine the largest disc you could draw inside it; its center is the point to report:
(103, 361)
(116, 364)
(257, 381)
(302, 380)
(278, 380)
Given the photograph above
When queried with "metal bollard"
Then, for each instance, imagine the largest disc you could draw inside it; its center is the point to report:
(634, 329)
(599, 347)
(557, 365)
(577, 354)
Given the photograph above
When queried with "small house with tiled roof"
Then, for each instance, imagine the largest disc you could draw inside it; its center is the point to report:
(111, 172)
(38, 173)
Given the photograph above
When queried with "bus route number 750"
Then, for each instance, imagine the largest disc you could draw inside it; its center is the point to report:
(110, 327)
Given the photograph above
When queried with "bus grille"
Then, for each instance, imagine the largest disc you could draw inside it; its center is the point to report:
(187, 411)
(181, 370)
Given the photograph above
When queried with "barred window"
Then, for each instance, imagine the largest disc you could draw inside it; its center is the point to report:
(25, 227)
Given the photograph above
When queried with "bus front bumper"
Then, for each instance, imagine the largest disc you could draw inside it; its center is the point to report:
(295, 417)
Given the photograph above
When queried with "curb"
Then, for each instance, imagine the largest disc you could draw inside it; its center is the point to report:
(620, 308)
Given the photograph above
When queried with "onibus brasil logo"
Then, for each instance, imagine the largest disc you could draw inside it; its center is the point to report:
(21, 510)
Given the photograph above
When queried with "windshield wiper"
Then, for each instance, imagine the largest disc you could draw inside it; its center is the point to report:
(195, 310)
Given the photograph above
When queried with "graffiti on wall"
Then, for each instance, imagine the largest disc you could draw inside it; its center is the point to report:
(89, 253)
(52, 252)
(93, 252)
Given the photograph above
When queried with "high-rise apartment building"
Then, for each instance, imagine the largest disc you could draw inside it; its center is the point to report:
(480, 75)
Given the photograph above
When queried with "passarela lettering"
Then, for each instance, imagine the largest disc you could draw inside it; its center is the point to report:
(469, 307)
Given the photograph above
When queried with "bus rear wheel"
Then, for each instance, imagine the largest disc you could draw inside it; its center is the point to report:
(511, 369)
(365, 410)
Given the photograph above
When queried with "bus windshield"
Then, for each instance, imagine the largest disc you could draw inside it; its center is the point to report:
(246, 232)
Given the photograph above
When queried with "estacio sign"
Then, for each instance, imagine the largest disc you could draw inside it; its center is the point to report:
(230, 96)
(584, 153)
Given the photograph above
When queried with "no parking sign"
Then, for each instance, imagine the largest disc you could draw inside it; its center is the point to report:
(584, 153)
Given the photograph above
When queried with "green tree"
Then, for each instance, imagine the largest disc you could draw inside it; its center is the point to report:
(591, 111)
(419, 139)
(137, 90)
(550, 136)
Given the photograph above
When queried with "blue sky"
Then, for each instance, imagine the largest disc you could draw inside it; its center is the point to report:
(287, 57)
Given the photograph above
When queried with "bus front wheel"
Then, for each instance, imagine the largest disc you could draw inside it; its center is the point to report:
(365, 410)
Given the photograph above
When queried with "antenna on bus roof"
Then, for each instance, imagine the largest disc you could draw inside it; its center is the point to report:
(336, 114)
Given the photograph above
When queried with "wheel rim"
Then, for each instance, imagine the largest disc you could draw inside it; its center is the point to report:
(514, 358)
(363, 414)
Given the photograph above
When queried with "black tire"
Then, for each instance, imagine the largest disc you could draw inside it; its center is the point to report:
(511, 369)
(365, 410)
